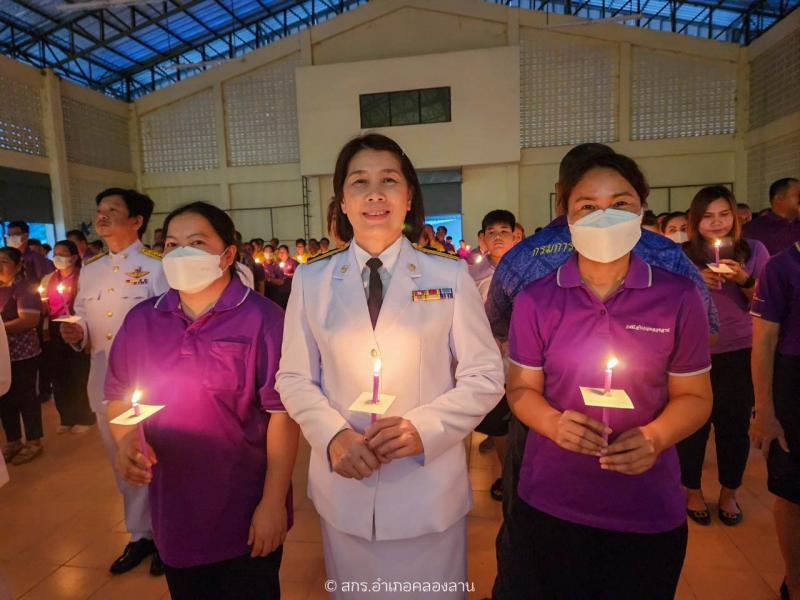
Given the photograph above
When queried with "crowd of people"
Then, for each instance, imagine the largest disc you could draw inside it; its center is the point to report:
(386, 344)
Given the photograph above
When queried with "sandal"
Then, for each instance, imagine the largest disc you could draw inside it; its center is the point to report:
(730, 519)
(11, 450)
(28, 453)
(701, 517)
(496, 491)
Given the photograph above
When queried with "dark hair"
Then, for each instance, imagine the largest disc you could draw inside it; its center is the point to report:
(324, 239)
(34, 242)
(580, 153)
(441, 227)
(138, 204)
(649, 219)
(777, 187)
(696, 248)
(284, 246)
(219, 220)
(744, 205)
(21, 225)
(161, 229)
(78, 234)
(669, 217)
(499, 215)
(626, 167)
(374, 141)
(98, 244)
(16, 257)
(47, 247)
(299, 241)
(270, 246)
(73, 250)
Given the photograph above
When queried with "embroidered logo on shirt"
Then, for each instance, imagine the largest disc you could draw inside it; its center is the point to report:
(137, 277)
(647, 329)
(432, 294)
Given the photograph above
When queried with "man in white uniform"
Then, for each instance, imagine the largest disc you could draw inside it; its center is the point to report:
(112, 283)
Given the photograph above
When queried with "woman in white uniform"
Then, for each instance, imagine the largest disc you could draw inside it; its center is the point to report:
(392, 494)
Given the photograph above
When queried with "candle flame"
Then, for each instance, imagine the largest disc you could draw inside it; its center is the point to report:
(283, 264)
(469, 247)
(60, 288)
(137, 395)
(478, 258)
(258, 261)
(717, 243)
(41, 289)
(612, 362)
(376, 368)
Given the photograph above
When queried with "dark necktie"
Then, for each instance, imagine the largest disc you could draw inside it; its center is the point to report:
(375, 298)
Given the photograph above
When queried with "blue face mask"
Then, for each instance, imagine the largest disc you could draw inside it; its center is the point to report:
(606, 235)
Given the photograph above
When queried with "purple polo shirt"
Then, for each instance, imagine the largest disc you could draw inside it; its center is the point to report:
(772, 230)
(733, 308)
(656, 325)
(216, 377)
(777, 298)
(36, 265)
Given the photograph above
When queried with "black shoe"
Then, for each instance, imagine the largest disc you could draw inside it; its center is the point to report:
(157, 568)
(134, 553)
(785, 591)
(730, 519)
(496, 490)
(701, 517)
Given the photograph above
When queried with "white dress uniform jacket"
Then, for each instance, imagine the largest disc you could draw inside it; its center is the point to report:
(438, 358)
(109, 286)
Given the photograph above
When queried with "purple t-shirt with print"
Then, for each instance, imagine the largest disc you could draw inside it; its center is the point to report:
(655, 324)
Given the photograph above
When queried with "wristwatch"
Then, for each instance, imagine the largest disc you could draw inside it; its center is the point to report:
(749, 282)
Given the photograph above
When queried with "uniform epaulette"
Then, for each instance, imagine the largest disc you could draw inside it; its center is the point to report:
(327, 254)
(433, 252)
(89, 261)
(151, 253)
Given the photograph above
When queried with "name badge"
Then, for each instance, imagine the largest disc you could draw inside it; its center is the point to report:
(432, 294)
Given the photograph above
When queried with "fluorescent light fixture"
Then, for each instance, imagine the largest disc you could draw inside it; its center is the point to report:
(97, 4)
(585, 22)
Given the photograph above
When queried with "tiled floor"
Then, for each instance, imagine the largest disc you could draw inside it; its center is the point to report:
(61, 525)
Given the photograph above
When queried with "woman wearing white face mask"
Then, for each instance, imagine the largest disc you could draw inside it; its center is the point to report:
(219, 457)
(69, 369)
(674, 226)
(600, 495)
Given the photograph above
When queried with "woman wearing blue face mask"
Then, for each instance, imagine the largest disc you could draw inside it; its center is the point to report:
(69, 369)
(599, 494)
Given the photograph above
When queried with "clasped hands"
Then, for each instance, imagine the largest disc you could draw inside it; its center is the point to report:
(632, 453)
(357, 456)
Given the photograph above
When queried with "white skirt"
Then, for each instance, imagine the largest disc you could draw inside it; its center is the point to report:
(428, 566)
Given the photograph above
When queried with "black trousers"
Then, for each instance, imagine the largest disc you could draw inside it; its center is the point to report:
(732, 385)
(21, 401)
(69, 371)
(783, 468)
(552, 559)
(241, 578)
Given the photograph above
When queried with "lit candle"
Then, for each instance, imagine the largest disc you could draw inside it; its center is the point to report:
(60, 288)
(376, 384)
(469, 247)
(282, 264)
(258, 261)
(478, 258)
(717, 244)
(41, 291)
(612, 362)
(135, 398)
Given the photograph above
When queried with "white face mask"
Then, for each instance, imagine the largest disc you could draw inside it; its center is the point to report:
(678, 237)
(63, 262)
(606, 235)
(15, 241)
(190, 269)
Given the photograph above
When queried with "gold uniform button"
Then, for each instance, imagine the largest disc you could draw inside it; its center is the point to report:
(373, 353)
(109, 314)
(115, 269)
(110, 290)
(109, 336)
